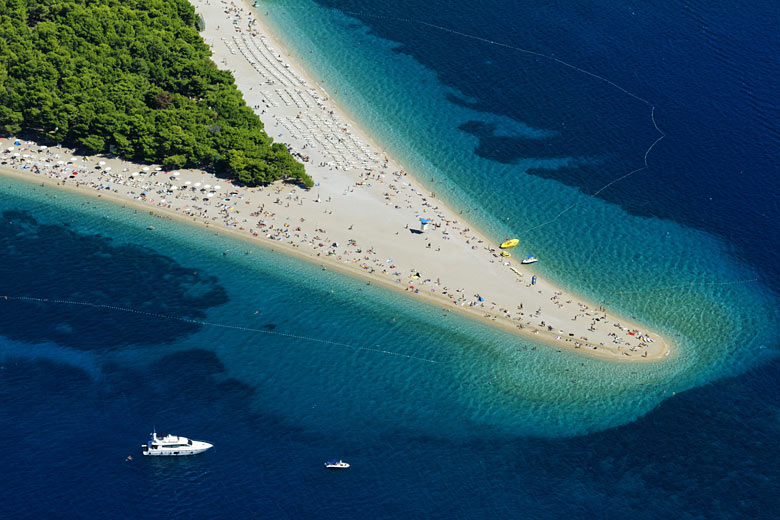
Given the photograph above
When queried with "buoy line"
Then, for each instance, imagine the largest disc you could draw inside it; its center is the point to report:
(537, 54)
(213, 324)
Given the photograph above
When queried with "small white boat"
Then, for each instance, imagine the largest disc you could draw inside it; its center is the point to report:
(530, 259)
(336, 464)
(173, 446)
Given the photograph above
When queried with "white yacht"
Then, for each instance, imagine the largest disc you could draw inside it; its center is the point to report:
(530, 259)
(336, 464)
(173, 446)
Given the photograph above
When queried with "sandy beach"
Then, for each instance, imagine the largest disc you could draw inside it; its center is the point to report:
(363, 217)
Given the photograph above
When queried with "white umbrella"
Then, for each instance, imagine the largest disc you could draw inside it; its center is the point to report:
(101, 163)
(10, 148)
(158, 169)
(188, 182)
(60, 162)
(217, 187)
(145, 168)
(210, 194)
(207, 185)
(108, 168)
(74, 159)
(173, 188)
(197, 184)
(44, 147)
(26, 155)
(175, 173)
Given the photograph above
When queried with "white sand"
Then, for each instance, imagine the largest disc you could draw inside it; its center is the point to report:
(364, 203)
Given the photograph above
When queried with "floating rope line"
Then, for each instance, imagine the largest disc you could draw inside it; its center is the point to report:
(502, 44)
(529, 52)
(212, 324)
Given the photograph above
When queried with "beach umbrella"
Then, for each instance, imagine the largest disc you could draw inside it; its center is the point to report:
(60, 162)
(188, 182)
(175, 173)
(145, 168)
(207, 185)
(101, 163)
(108, 169)
(44, 147)
(158, 169)
(210, 194)
(173, 188)
(217, 187)
(74, 159)
(197, 184)
(10, 148)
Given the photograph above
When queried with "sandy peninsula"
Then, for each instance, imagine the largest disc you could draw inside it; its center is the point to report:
(363, 217)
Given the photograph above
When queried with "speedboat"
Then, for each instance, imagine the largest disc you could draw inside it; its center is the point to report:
(530, 259)
(336, 464)
(173, 446)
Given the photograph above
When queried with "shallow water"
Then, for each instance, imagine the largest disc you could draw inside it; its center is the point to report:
(113, 288)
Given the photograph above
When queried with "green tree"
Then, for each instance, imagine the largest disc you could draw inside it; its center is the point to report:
(132, 76)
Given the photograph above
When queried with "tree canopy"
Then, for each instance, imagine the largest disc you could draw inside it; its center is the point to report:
(131, 77)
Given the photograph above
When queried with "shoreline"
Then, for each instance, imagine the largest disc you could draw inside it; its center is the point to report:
(378, 198)
(269, 31)
(282, 248)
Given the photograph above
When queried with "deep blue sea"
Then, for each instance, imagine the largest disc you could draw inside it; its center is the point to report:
(633, 147)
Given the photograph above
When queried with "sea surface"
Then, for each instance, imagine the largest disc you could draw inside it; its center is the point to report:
(631, 146)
